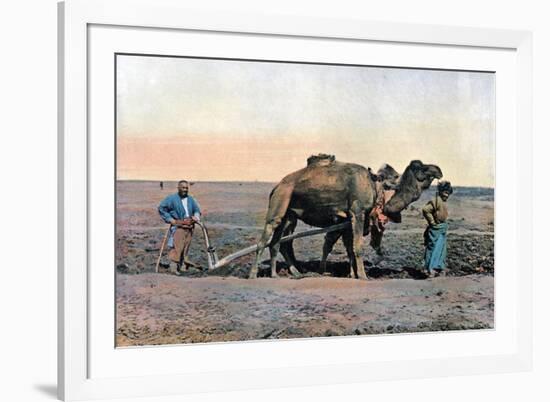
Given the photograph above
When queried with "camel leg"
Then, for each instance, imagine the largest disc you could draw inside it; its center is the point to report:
(287, 249)
(357, 226)
(376, 240)
(347, 238)
(278, 204)
(264, 239)
(274, 247)
(273, 251)
(330, 240)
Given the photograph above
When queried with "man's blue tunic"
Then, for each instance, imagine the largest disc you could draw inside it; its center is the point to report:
(172, 208)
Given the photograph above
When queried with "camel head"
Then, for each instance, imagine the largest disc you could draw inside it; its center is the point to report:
(423, 174)
(388, 176)
(416, 178)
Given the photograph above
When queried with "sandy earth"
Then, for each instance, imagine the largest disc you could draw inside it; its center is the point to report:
(220, 305)
(162, 309)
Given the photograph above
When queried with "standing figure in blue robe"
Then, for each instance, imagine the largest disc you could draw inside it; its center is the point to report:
(435, 236)
(181, 211)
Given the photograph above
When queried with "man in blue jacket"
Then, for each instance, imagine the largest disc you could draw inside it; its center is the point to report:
(181, 211)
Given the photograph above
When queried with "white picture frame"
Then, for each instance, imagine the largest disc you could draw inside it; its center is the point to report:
(76, 348)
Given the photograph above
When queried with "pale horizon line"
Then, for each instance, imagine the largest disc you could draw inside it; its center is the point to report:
(258, 181)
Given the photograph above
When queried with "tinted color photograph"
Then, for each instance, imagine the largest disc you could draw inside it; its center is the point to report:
(261, 200)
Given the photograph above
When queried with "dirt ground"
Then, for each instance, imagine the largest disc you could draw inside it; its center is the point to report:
(219, 305)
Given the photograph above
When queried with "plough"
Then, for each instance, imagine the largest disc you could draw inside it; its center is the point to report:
(214, 262)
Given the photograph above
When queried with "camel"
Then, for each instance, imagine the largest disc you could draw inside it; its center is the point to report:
(416, 178)
(328, 192)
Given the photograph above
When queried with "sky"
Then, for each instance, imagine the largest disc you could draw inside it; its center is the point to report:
(231, 120)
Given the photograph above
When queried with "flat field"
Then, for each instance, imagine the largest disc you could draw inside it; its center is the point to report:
(222, 305)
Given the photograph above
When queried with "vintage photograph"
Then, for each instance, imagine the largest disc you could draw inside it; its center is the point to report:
(261, 200)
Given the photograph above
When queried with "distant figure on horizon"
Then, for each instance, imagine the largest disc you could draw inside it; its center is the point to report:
(162, 185)
(435, 236)
(181, 211)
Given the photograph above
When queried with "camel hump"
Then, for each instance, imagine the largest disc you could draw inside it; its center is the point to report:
(320, 160)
